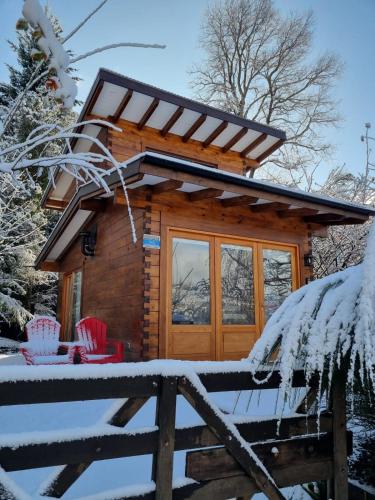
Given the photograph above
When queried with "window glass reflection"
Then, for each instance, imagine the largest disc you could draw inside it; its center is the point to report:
(190, 282)
(277, 272)
(237, 282)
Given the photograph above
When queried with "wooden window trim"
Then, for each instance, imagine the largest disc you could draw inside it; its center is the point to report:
(67, 302)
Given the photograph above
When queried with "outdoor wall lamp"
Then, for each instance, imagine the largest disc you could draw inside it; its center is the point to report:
(88, 242)
(308, 259)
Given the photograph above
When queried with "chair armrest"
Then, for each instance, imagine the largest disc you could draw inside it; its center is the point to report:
(118, 346)
(27, 353)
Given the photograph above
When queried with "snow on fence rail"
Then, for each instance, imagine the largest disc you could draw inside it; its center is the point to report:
(230, 459)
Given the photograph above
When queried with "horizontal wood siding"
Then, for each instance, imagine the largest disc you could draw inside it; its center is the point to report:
(132, 141)
(113, 279)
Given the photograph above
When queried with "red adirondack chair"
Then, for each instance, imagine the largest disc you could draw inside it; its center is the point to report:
(43, 342)
(92, 333)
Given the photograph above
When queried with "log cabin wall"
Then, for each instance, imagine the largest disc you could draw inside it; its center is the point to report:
(132, 141)
(112, 280)
(174, 209)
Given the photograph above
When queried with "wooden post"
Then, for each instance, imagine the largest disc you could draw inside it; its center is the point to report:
(218, 426)
(162, 469)
(340, 452)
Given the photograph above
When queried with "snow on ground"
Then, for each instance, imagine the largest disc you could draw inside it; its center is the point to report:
(4, 342)
(116, 473)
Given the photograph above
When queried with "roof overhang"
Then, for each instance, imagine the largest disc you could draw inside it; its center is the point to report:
(161, 173)
(114, 96)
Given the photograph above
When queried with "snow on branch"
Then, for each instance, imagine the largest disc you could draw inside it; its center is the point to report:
(324, 326)
(52, 50)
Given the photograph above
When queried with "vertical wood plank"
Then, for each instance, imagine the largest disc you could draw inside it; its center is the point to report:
(165, 420)
(340, 452)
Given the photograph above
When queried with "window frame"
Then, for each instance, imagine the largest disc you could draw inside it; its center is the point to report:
(67, 327)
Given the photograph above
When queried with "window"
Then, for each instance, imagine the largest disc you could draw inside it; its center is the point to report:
(221, 291)
(71, 304)
(191, 282)
(237, 285)
(277, 277)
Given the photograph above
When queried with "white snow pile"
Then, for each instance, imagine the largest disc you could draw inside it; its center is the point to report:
(322, 323)
(49, 44)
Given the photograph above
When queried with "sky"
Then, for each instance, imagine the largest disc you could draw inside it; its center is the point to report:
(345, 27)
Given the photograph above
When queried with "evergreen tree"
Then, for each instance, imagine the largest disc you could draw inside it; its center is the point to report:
(24, 226)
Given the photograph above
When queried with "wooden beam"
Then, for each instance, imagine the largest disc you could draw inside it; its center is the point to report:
(71, 389)
(204, 194)
(168, 185)
(239, 200)
(234, 139)
(194, 128)
(297, 212)
(324, 218)
(215, 133)
(345, 222)
(148, 113)
(71, 472)
(121, 107)
(56, 204)
(53, 267)
(268, 207)
(229, 439)
(64, 451)
(218, 463)
(163, 458)
(94, 98)
(172, 120)
(93, 205)
(270, 150)
(253, 145)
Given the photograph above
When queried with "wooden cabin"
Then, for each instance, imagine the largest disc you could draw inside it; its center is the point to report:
(216, 250)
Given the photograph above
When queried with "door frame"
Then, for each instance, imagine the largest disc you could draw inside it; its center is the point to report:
(215, 273)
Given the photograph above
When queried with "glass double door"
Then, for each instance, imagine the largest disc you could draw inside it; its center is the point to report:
(221, 293)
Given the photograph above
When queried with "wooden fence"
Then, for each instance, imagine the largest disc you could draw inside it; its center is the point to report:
(217, 459)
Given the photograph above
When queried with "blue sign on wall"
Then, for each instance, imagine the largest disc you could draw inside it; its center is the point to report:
(151, 241)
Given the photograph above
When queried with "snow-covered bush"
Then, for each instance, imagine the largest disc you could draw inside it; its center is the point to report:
(326, 325)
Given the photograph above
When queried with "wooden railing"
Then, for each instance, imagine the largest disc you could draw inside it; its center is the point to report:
(229, 460)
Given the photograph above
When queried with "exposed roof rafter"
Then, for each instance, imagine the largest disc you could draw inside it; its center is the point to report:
(121, 107)
(270, 150)
(253, 145)
(215, 133)
(239, 200)
(269, 207)
(204, 194)
(172, 120)
(148, 113)
(234, 139)
(194, 128)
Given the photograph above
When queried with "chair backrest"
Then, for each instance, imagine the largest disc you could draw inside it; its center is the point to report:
(93, 333)
(43, 332)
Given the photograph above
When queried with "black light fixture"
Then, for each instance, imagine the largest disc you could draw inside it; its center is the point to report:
(308, 259)
(88, 242)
